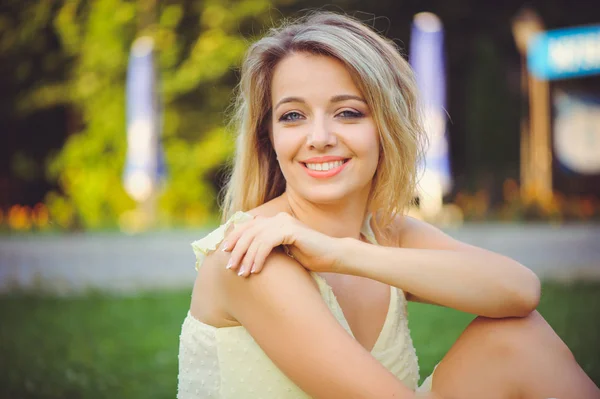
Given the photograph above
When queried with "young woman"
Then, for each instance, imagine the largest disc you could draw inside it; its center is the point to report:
(302, 291)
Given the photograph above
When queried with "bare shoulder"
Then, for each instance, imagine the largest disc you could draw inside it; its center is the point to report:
(218, 290)
(414, 233)
(207, 294)
(410, 230)
(402, 231)
(208, 298)
(280, 273)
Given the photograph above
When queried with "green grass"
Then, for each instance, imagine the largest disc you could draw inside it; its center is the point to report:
(572, 310)
(101, 346)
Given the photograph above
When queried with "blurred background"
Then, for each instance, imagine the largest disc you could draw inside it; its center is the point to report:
(114, 147)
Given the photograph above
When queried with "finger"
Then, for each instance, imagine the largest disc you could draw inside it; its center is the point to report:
(236, 232)
(261, 257)
(232, 238)
(248, 261)
(241, 247)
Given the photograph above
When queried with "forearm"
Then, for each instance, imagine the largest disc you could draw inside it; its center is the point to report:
(478, 282)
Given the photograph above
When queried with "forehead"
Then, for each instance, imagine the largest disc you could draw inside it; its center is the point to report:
(308, 75)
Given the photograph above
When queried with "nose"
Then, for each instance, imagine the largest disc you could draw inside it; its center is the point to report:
(321, 135)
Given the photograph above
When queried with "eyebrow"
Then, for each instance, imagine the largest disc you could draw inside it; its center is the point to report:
(334, 99)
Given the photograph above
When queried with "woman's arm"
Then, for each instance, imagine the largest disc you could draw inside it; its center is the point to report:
(435, 268)
(284, 312)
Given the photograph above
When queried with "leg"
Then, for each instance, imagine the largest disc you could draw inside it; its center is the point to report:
(511, 358)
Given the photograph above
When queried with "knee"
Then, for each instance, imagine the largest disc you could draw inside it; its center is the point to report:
(517, 336)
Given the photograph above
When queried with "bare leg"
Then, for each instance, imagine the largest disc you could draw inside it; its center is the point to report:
(511, 358)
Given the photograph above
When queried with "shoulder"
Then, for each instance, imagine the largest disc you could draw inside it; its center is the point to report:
(281, 276)
(408, 229)
(409, 232)
(397, 231)
(220, 294)
(213, 239)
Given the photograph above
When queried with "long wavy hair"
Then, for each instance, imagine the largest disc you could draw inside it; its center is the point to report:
(381, 74)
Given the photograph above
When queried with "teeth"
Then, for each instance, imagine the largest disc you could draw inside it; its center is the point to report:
(325, 166)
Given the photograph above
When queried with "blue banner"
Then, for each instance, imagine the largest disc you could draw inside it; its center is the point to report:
(565, 53)
(144, 165)
(428, 62)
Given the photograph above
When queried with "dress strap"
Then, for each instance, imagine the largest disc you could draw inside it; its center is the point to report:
(367, 230)
(210, 242)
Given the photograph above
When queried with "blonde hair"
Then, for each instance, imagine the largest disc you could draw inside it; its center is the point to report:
(381, 74)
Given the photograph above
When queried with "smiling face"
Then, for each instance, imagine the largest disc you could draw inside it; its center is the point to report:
(322, 130)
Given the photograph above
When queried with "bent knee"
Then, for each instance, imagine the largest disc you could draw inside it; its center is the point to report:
(517, 335)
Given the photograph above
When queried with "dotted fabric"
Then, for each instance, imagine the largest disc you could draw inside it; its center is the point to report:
(227, 363)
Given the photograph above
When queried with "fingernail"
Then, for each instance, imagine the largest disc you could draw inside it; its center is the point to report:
(225, 246)
(229, 264)
(253, 270)
(241, 271)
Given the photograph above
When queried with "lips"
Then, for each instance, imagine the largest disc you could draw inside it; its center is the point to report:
(322, 167)
(327, 158)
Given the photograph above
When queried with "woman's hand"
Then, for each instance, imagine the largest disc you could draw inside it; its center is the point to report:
(250, 244)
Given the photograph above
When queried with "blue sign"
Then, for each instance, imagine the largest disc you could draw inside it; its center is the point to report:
(565, 53)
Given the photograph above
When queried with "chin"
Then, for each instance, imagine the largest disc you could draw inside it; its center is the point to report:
(338, 190)
(331, 195)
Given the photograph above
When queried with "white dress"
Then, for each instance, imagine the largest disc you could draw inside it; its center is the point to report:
(227, 362)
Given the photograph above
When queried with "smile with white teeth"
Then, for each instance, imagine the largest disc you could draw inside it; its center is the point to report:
(324, 166)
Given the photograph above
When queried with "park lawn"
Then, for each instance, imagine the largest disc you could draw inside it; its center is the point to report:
(103, 346)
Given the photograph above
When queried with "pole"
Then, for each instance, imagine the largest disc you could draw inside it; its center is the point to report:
(535, 152)
(540, 151)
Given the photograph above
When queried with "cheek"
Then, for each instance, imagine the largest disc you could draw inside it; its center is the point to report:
(369, 144)
(285, 144)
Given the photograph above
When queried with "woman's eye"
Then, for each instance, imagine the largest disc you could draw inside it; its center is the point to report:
(347, 114)
(290, 117)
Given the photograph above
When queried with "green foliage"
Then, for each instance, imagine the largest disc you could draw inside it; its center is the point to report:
(199, 44)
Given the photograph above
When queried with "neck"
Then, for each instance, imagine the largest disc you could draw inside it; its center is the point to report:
(340, 219)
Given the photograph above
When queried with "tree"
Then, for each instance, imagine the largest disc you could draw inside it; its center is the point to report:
(198, 43)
